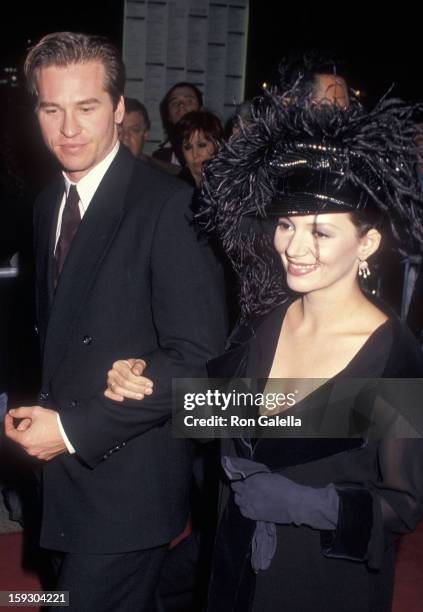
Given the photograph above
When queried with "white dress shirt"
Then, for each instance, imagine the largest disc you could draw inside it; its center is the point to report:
(86, 187)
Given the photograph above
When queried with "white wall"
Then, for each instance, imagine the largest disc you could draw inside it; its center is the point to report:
(200, 41)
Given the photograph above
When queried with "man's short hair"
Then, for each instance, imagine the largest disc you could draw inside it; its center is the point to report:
(65, 48)
(132, 105)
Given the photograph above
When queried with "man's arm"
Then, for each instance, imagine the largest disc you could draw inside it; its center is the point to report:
(37, 431)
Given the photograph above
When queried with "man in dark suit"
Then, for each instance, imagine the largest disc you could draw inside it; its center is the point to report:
(120, 271)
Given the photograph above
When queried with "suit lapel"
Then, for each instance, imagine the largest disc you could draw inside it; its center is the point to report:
(92, 240)
(46, 222)
(52, 245)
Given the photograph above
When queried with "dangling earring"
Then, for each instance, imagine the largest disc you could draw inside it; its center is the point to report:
(363, 269)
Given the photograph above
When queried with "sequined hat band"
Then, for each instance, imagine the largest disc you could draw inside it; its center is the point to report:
(307, 191)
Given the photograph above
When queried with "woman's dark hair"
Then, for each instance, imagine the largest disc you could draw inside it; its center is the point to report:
(366, 220)
(199, 121)
(164, 104)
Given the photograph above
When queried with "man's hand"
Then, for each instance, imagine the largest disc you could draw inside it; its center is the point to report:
(37, 433)
(125, 380)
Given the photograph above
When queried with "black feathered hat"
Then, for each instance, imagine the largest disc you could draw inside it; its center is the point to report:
(296, 157)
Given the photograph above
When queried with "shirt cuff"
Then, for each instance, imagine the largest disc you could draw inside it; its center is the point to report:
(64, 436)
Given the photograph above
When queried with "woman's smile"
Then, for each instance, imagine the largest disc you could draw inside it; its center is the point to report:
(298, 269)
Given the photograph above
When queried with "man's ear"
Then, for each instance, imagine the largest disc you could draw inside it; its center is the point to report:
(120, 110)
(369, 243)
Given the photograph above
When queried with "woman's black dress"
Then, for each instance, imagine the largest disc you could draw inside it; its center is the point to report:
(379, 480)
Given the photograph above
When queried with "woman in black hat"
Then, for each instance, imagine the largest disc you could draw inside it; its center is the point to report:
(310, 524)
(300, 203)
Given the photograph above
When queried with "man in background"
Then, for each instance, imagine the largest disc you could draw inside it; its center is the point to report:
(181, 99)
(133, 131)
(319, 75)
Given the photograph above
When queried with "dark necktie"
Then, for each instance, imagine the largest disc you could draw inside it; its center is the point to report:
(71, 219)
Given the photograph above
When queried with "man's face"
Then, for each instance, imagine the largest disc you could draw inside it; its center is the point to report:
(182, 101)
(330, 89)
(133, 133)
(76, 115)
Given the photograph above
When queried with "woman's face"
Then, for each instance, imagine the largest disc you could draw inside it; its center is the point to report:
(196, 151)
(318, 251)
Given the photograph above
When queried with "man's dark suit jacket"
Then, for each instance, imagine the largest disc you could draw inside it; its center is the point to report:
(136, 282)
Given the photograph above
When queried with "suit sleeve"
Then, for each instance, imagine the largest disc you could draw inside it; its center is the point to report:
(189, 313)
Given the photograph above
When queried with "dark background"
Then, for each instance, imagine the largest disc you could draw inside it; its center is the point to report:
(381, 51)
(382, 48)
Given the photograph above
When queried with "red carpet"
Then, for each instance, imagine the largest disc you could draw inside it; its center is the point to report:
(408, 592)
(408, 595)
(12, 576)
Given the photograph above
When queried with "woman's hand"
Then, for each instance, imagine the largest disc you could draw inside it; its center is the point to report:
(265, 496)
(125, 380)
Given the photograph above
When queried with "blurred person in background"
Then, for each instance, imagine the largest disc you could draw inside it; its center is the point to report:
(181, 99)
(314, 73)
(198, 136)
(317, 74)
(133, 131)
